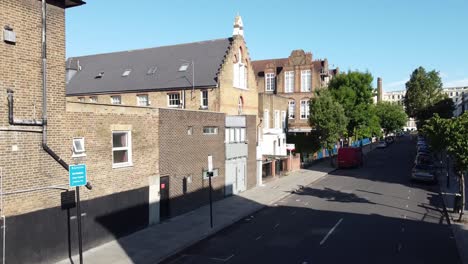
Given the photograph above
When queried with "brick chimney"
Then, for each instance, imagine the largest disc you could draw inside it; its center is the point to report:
(379, 90)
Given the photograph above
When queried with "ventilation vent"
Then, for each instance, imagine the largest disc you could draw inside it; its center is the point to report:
(99, 76)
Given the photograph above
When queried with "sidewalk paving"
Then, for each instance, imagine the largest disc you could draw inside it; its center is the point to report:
(161, 241)
(459, 229)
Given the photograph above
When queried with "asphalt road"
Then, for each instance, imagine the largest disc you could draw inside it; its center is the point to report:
(373, 214)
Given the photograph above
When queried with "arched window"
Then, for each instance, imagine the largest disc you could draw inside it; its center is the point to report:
(240, 70)
(240, 105)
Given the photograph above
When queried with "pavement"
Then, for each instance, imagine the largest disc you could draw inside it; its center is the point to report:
(448, 192)
(158, 242)
(371, 214)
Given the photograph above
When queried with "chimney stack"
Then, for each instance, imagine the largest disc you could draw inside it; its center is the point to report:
(379, 90)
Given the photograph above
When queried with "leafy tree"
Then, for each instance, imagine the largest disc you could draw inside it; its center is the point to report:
(423, 90)
(451, 134)
(392, 117)
(444, 108)
(354, 91)
(328, 119)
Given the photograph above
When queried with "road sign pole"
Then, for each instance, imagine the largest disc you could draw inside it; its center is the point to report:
(78, 217)
(210, 174)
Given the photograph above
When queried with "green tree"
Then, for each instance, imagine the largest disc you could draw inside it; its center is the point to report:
(327, 118)
(452, 135)
(392, 117)
(423, 91)
(354, 91)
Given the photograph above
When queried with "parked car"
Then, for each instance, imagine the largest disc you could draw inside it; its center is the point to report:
(425, 173)
(424, 159)
(389, 140)
(382, 144)
(349, 157)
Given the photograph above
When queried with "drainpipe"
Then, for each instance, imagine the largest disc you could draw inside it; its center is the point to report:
(18, 122)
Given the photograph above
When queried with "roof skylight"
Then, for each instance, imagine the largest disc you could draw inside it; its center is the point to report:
(184, 67)
(152, 70)
(99, 76)
(126, 72)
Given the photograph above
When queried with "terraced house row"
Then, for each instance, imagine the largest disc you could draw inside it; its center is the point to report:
(143, 121)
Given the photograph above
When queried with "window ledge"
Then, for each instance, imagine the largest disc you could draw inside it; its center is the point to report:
(78, 155)
(122, 165)
(241, 88)
(203, 107)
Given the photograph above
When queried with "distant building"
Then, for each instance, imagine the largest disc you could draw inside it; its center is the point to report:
(456, 93)
(462, 105)
(296, 78)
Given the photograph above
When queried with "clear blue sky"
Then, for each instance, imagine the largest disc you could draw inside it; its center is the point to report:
(389, 38)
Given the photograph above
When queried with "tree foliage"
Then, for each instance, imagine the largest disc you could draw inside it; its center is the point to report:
(354, 91)
(423, 92)
(327, 117)
(392, 117)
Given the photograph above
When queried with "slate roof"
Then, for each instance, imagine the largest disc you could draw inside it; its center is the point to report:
(208, 56)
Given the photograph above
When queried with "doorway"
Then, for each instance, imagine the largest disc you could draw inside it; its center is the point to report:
(164, 197)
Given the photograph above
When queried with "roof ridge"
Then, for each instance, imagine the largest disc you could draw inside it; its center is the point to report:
(142, 49)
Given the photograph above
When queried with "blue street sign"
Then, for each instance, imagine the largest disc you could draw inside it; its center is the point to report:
(77, 175)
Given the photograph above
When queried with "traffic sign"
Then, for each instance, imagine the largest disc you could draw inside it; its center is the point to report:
(77, 175)
(290, 146)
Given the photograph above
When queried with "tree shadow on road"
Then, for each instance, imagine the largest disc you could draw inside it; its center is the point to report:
(332, 195)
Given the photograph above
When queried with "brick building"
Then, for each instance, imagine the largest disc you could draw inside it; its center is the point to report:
(123, 146)
(296, 78)
(214, 75)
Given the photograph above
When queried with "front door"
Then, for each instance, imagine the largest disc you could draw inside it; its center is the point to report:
(240, 176)
(164, 200)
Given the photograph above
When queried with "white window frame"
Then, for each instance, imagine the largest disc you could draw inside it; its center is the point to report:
(240, 106)
(210, 130)
(93, 99)
(289, 81)
(203, 96)
(113, 99)
(240, 73)
(306, 81)
(270, 84)
(77, 151)
(171, 100)
(292, 109)
(266, 118)
(141, 102)
(305, 109)
(128, 148)
(276, 119)
(81, 99)
(283, 119)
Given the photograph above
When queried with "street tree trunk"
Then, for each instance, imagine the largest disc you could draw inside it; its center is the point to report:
(462, 192)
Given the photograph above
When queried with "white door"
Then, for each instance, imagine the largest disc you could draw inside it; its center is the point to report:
(241, 173)
(231, 171)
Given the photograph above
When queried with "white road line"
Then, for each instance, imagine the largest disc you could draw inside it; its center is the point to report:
(293, 213)
(408, 197)
(224, 259)
(258, 237)
(276, 226)
(406, 206)
(330, 232)
(399, 247)
(306, 204)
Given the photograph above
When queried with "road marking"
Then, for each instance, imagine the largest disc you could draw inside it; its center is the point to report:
(306, 204)
(406, 206)
(276, 226)
(259, 237)
(298, 200)
(399, 247)
(330, 232)
(408, 197)
(293, 213)
(402, 229)
(224, 259)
